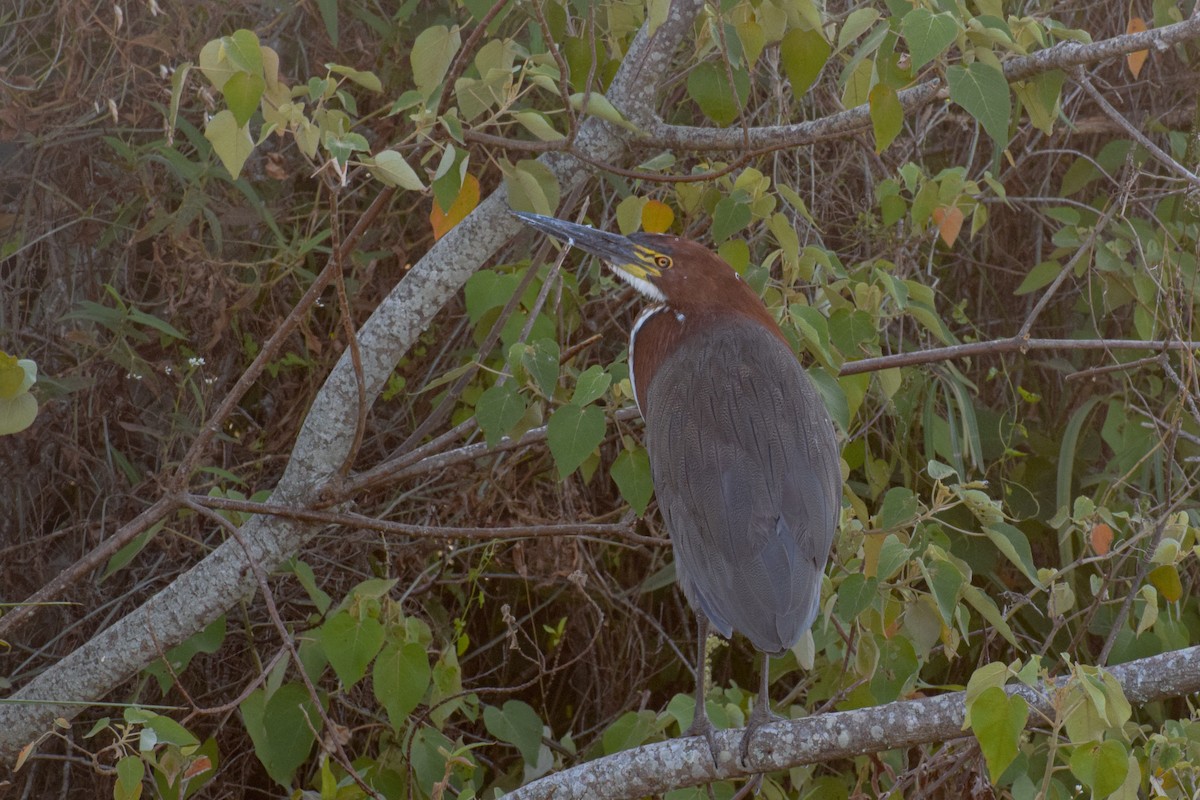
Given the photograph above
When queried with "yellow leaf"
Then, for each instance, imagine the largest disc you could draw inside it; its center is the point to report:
(1136, 59)
(657, 216)
(949, 222)
(468, 198)
(11, 376)
(1166, 580)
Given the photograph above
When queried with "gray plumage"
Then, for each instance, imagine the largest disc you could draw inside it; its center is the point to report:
(751, 536)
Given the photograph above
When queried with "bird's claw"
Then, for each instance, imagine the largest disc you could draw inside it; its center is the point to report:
(702, 726)
(761, 715)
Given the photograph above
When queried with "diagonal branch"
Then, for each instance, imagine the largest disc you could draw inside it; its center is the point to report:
(657, 768)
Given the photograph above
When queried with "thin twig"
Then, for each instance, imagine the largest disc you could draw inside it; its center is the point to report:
(1116, 116)
(350, 520)
(1067, 269)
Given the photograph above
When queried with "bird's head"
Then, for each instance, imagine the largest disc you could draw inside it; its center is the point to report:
(670, 269)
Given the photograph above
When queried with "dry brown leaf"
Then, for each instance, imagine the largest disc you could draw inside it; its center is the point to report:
(949, 222)
(1136, 59)
(1102, 537)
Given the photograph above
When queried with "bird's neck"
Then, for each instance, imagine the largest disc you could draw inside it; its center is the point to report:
(661, 330)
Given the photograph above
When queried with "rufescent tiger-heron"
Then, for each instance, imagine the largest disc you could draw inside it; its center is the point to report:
(742, 452)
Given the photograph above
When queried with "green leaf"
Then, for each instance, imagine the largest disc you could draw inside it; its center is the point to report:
(230, 141)
(537, 124)
(1039, 276)
(1084, 722)
(591, 384)
(447, 683)
(208, 640)
(893, 554)
(983, 93)
(368, 80)
(130, 772)
(1015, 545)
(708, 86)
(391, 168)
(1101, 767)
(928, 34)
(997, 719)
(988, 610)
(629, 214)
(946, 580)
(1041, 96)
(730, 216)
(994, 674)
(215, 64)
(573, 433)
(498, 410)
(518, 724)
(887, 115)
(432, 53)
(856, 91)
(630, 730)
(308, 581)
(400, 678)
(803, 54)
(532, 187)
(857, 23)
(153, 322)
(600, 106)
(486, 290)
(631, 472)
(855, 595)
(243, 51)
(814, 327)
(899, 508)
(350, 644)
(281, 728)
(896, 669)
(541, 361)
(329, 16)
(242, 92)
(168, 731)
(343, 145)
(122, 557)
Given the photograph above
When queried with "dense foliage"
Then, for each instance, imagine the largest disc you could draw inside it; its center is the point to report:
(1019, 513)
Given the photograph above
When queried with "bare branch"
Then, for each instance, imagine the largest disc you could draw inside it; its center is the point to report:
(657, 768)
(777, 137)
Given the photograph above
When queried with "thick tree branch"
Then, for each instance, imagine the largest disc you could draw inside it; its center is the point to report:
(657, 768)
(204, 592)
(776, 137)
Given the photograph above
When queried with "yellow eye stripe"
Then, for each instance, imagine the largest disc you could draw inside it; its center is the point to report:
(652, 261)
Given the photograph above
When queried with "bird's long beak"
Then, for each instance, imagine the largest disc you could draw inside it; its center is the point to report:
(619, 252)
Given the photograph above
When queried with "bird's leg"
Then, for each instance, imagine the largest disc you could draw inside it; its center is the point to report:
(701, 724)
(761, 714)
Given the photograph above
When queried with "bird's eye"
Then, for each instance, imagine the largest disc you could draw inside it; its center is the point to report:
(662, 262)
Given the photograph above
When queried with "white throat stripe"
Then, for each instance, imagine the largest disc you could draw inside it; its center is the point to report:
(646, 314)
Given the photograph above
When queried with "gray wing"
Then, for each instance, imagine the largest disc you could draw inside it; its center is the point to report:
(746, 471)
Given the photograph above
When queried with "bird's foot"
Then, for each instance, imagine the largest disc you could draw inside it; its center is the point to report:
(702, 726)
(760, 716)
